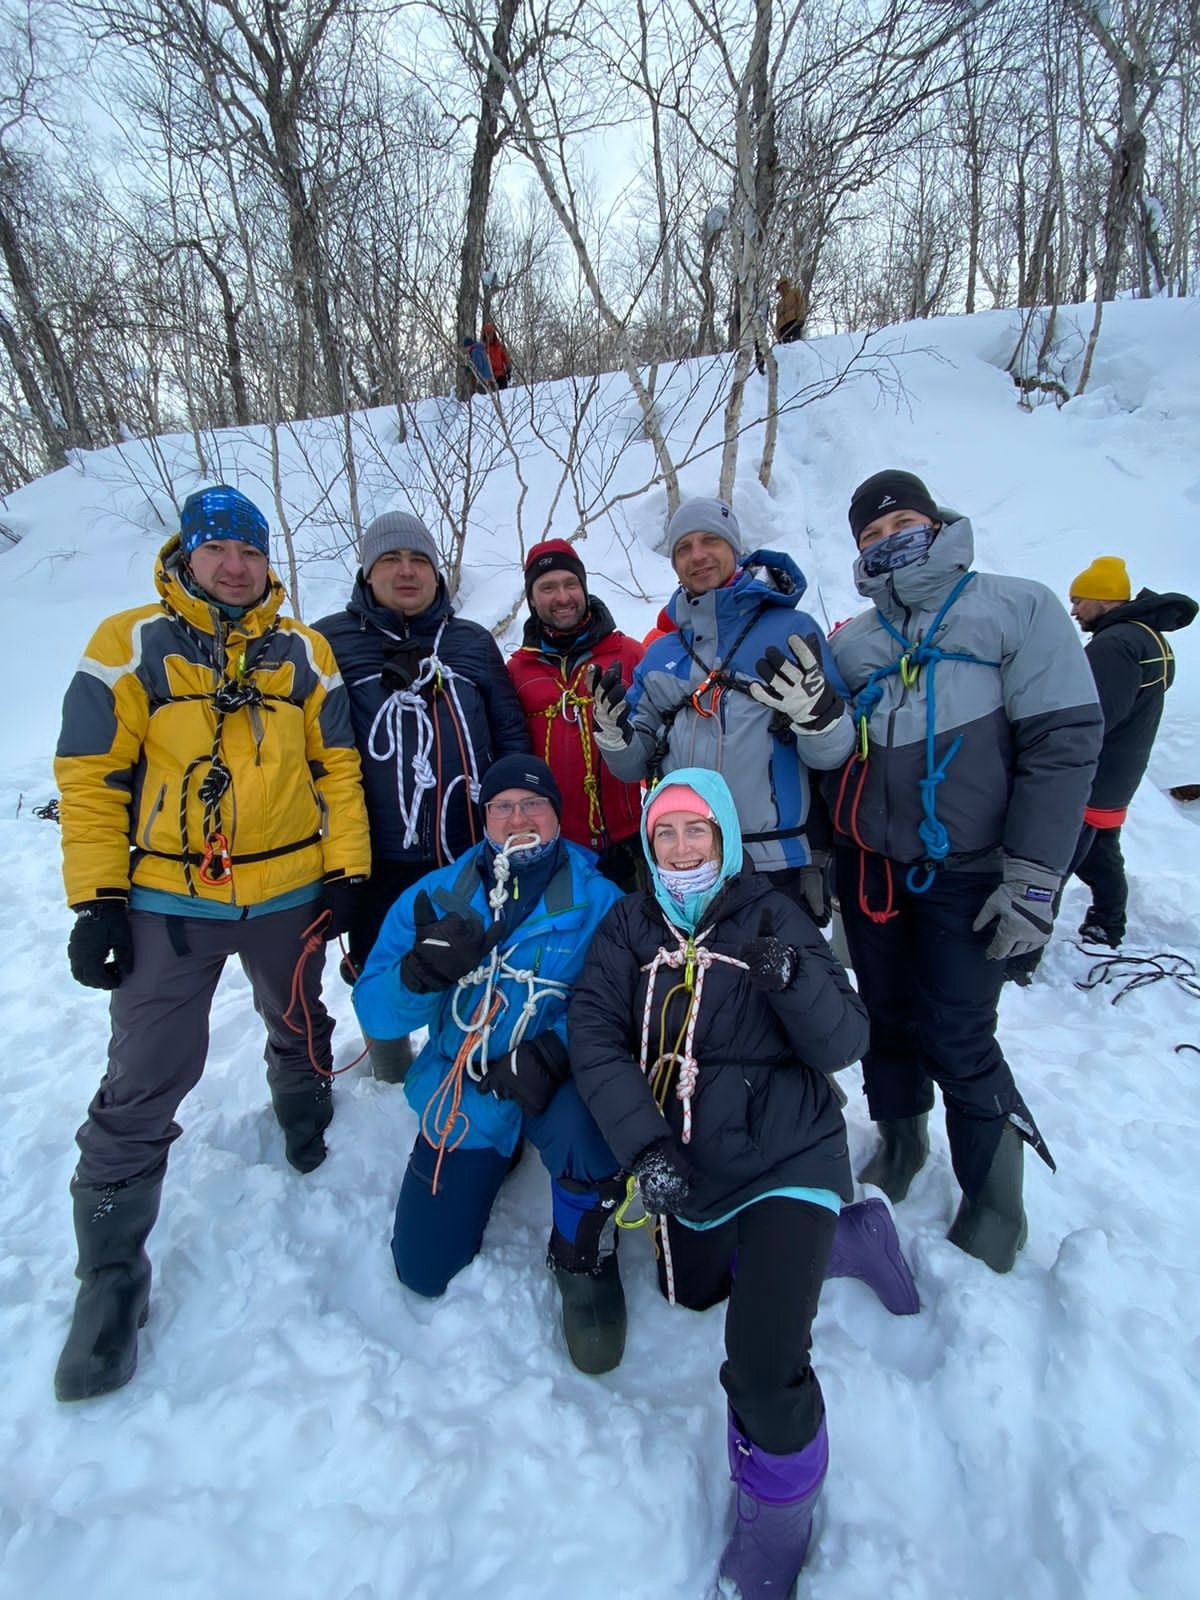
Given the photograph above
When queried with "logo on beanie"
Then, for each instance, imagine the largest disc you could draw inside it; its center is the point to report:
(888, 500)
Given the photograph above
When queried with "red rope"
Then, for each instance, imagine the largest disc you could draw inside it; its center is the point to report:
(312, 940)
(889, 910)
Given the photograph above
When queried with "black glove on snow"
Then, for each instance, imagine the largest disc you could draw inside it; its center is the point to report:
(770, 964)
(340, 898)
(446, 948)
(101, 929)
(664, 1176)
(610, 710)
(530, 1075)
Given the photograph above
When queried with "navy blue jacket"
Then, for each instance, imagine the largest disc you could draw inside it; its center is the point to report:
(423, 749)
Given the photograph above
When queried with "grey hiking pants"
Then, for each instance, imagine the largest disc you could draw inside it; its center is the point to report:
(160, 1030)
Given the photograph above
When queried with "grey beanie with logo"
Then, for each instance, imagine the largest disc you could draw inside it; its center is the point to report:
(704, 516)
(398, 530)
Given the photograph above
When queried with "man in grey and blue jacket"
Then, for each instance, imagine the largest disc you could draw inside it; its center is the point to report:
(955, 819)
(700, 696)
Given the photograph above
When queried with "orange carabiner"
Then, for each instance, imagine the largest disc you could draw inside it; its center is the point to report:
(712, 686)
(215, 866)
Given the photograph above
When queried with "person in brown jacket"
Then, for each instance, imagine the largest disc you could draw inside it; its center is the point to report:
(792, 310)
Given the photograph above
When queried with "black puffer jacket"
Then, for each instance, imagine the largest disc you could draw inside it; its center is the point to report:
(1133, 666)
(763, 1114)
(367, 635)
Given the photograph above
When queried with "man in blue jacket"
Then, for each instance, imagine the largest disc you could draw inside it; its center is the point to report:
(698, 697)
(432, 707)
(483, 953)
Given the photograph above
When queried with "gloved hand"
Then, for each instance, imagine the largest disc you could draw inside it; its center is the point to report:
(610, 712)
(814, 886)
(339, 897)
(797, 686)
(1022, 908)
(770, 964)
(664, 1176)
(101, 930)
(530, 1075)
(446, 948)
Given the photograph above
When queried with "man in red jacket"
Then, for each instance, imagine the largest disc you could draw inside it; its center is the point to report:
(570, 632)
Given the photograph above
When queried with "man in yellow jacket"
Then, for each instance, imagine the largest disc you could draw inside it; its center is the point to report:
(211, 806)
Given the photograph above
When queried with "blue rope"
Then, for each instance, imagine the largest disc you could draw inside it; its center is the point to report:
(931, 830)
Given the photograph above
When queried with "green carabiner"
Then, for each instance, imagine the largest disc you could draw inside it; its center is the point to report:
(864, 738)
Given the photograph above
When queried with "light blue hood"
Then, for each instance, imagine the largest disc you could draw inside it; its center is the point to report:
(711, 787)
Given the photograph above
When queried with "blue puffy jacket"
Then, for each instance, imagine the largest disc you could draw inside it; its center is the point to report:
(550, 941)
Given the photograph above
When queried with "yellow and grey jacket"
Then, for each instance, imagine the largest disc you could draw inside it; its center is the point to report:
(187, 737)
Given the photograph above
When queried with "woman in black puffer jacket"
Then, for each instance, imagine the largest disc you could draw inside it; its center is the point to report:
(700, 1033)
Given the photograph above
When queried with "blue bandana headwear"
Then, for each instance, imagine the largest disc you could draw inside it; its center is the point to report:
(222, 513)
(898, 550)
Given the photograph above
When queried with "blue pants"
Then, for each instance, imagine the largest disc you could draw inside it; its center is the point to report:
(436, 1235)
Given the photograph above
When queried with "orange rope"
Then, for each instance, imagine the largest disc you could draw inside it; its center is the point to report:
(444, 1108)
(313, 939)
(888, 911)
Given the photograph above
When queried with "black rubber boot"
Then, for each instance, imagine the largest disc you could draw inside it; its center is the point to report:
(304, 1113)
(900, 1156)
(586, 1271)
(991, 1225)
(112, 1224)
(390, 1058)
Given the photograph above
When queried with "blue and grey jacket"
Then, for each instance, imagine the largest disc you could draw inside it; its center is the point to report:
(1002, 682)
(764, 765)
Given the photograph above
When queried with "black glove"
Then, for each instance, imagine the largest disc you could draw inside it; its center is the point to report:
(446, 948)
(610, 710)
(770, 964)
(402, 667)
(664, 1176)
(796, 685)
(101, 929)
(340, 898)
(530, 1075)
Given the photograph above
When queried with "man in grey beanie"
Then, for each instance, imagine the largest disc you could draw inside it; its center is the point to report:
(432, 707)
(745, 686)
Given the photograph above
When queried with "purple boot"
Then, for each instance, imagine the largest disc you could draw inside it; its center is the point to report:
(774, 1497)
(867, 1246)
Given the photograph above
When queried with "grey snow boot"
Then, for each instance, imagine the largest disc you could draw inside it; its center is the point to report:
(112, 1224)
(583, 1257)
(900, 1156)
(390, 1058)
(991, 1225)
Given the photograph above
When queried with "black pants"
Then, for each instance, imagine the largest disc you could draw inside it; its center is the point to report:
(388, 881)
(1103, 870)
(931, 995)
(791, 332)
(624, 864)
(769, 1261)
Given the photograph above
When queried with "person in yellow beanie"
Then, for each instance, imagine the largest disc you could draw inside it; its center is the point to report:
(1133, 666)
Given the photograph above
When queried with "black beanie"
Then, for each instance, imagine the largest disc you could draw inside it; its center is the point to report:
(520, 772)
(552, 555)
(890, 490)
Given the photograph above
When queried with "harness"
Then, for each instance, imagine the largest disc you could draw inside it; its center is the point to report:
(932, 831)
(704, 699)
(444, 1123)
(572, 707)
(386, 742)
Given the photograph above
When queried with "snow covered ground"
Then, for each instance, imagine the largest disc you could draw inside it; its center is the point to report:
(301, 1426)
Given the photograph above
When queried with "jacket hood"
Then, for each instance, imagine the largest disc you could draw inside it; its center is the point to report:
(179, 599)
(1163, 612)
(765, 577)
(926, 582)
(711, 787)
(363, 604)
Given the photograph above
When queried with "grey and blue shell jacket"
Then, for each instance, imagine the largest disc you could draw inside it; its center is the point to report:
(764, 1116)
(548, 935)
(364, 638)
(766, 766)
(1014, 691)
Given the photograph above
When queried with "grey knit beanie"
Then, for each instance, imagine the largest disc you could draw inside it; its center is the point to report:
(704, 516)
(398, 530)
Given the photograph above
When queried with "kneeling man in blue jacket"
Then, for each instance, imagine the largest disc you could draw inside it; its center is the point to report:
(483, 953)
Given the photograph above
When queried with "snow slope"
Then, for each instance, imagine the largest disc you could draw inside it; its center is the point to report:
(301, 1426)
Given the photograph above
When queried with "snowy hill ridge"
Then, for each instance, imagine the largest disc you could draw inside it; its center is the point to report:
(301, 1426)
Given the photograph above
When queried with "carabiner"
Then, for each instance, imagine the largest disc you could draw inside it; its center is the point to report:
(216, 850)
(709, 685)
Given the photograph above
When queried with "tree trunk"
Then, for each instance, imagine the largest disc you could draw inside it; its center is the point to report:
(52, 440)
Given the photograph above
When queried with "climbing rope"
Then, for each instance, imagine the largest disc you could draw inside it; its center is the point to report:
(1135, 972)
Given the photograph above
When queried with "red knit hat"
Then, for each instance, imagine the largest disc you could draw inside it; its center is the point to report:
(552, 555)
(670, 797)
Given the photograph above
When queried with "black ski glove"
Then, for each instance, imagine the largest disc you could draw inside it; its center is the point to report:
(530, 1075)
(610, 710)
(770, 964)
(796, 685)
(664, 1176)
(101, 930)
(446, 948)
(340, 897)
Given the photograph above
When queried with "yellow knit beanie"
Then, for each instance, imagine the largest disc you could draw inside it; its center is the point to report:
(1105, 579)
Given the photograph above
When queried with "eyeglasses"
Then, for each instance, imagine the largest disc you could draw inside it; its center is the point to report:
(503, 809)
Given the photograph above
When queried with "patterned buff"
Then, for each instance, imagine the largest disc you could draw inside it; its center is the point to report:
(901, 549)
(222, 513)
(696, 881)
